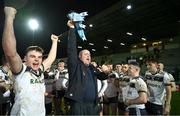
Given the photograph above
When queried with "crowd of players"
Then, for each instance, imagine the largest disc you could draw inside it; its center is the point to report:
(125, 92)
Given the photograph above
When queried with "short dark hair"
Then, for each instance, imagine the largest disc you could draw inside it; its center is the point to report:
(134, 63)
(118, 63)
(123, 63)
(60, 61)
(36, 48)
(152, 61)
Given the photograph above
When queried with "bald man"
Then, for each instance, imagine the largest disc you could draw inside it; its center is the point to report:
(82, 89)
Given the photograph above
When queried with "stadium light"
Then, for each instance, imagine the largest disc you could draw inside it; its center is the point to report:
(33, 24)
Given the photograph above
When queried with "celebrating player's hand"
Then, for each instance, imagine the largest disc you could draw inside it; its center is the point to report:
(54, 37)
(10, 12)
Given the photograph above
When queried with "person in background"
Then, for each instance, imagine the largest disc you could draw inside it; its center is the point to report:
(136, 91)
(118, 70)
(110, 66)
(158, 83)
(173, 84)
(125, 67)
(172, 81)
(49, 81)
(6, 87)
(102, 86)
(110, 100)
(61, 82)
(123, 83)
(29, 80)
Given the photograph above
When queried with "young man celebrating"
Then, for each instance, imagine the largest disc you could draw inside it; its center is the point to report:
(29, 84)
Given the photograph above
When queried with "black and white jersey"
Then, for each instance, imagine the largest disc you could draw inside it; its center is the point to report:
(29, 89)
(3, 74)
(4, 78)
(61, 78)
(135, 86)
(111, 90)
(156, 86)
(124, 82)
(171, 77)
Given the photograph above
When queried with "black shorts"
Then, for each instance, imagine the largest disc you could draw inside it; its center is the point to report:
(60, 94)
(110, 100)
(77, 108)
(154, 109)
(137, 111)
(122, 106)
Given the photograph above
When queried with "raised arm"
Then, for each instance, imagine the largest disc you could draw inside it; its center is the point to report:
(72, 50)
(9, 41)
(52, 54)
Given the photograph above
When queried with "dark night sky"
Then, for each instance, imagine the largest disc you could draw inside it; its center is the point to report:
(51, 15)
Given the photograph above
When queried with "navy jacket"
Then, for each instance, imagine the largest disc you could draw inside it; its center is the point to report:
(78, 71)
